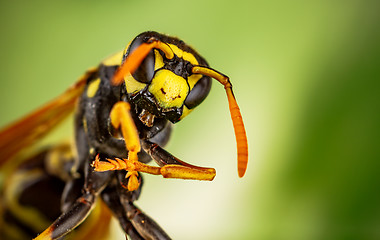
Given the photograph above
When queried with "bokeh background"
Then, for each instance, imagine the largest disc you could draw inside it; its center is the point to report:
(306, 76)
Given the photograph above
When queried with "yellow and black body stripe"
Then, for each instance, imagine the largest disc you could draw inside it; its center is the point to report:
(31, 196)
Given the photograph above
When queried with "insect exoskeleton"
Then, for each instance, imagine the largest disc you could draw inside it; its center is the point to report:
(124, 109)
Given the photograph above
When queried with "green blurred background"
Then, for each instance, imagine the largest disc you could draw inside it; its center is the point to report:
(306, 76)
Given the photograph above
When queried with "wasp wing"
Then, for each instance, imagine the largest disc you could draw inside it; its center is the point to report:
(26, 131)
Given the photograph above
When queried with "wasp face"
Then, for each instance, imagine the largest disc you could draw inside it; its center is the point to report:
(166, 88)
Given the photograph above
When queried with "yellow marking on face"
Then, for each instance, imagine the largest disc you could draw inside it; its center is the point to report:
(189, 57)
(169, 89)
(114, 59)
(132, 84)
(193, 79)
(185, 112)
(159, 62)
(93, 88)
(184, 55)
(176, 50)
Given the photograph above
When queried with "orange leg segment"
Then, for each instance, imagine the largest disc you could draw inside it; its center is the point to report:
(167, 171)
(121, 119)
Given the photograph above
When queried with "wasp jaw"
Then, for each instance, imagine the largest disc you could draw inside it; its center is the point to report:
(147, 118)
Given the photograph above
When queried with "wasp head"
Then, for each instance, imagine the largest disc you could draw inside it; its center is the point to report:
(163, 84)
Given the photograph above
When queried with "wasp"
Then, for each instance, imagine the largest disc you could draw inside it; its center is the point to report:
(124, 111)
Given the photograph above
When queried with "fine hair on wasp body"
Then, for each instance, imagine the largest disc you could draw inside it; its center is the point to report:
(124, 109)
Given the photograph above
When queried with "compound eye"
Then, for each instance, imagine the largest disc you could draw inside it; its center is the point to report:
(144, 73)
(198, 93)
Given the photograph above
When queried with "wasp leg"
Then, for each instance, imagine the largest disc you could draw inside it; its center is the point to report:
(135, 224)
(78, 212)
(172, 167)
(70, 219)
(72, 190)
(144, 225)
(181, 171)
(121, 119)
(110, 196)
